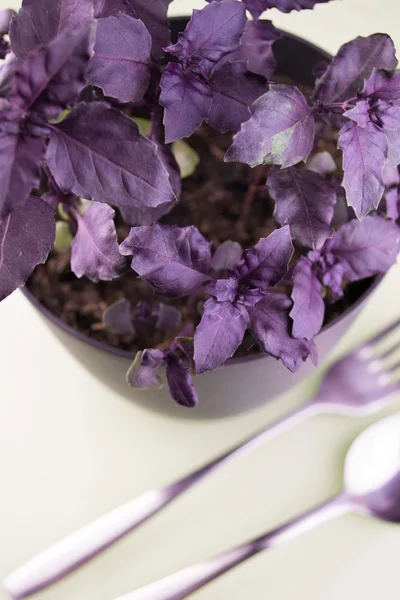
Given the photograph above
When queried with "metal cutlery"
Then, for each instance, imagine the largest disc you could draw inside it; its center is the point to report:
(371, 486)
(359, 383)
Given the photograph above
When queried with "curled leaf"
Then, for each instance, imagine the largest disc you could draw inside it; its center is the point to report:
(143, 373)
(180, 381)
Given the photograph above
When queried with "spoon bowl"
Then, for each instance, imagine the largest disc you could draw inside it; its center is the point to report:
(372, 486)
(372, 469)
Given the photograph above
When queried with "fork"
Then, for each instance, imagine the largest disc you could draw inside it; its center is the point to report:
(357, 384)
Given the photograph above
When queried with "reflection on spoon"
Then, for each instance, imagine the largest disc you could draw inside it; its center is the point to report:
(371, 486)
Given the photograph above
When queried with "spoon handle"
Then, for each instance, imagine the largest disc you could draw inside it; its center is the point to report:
(189, 580)
(73, 551)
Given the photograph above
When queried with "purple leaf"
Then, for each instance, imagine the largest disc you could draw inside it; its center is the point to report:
(271, 325)
(180, 381)
(364, 156)
(226, 256)
(391, 178)
(392, 200)
(167, 157)
(386, 115)
(256, 48)
(384, 85)
(360, 114)
(20, 158)
(167, 317)
(174, 260)
(266, 263)
(118, 318)
(328, 268)
(366, 248)
(219, 334)
(4, 48)
(143, 374)
(51, 77)
(234, 90)
(210, 34)
(305, 201)
(354, 62)
(121, 61)
(40, 21)
(96, 163)
(224, 290)
(383, 114)
(393, 138)
(187, 101)
(257, 7)
(5, 20)
(322, 163)
(153, 13)
(26, 238)
(280, 130)
(95, 252)
(308, 304)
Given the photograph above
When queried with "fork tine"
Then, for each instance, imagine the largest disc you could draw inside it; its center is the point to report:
(381, 335)
(392, 368)
(389, 351)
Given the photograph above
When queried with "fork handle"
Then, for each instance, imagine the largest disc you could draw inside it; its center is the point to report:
(189, 580)
(73, 551)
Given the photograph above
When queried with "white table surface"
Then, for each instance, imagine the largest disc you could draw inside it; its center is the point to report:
(71, 447)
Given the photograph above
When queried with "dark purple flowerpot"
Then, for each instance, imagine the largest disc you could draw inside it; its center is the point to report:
(242, 384)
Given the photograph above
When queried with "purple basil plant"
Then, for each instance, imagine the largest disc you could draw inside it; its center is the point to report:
(72, 76)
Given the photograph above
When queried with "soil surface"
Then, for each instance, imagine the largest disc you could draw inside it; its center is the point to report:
(212, 199)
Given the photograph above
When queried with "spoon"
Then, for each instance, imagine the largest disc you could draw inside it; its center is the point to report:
(371, 486)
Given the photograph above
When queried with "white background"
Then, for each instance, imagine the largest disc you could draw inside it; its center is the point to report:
(73, 446)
